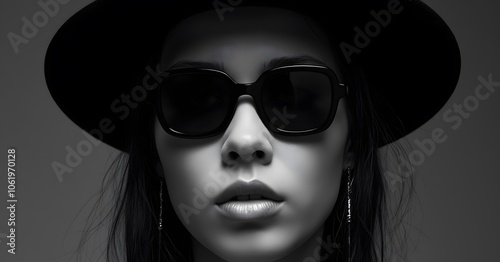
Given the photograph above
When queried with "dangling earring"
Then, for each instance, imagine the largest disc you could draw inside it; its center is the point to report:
(349, 190)
(160, 220)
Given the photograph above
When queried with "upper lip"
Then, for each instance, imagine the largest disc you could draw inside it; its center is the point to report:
(241, 188)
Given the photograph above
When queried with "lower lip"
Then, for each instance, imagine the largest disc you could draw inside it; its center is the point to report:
(250, 209)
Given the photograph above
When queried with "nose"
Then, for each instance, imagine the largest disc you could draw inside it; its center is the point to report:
(247, 139)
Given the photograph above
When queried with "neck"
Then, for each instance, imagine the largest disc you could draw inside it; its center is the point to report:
(308, 251)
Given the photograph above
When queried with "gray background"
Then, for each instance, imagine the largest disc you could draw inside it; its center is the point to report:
(455, 218)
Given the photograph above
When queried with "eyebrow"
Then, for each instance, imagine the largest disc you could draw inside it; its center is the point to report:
(267, 65)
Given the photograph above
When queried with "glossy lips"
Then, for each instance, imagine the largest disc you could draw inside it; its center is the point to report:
(247, 201)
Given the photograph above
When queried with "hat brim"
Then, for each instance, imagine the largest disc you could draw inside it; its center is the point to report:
(100, 53)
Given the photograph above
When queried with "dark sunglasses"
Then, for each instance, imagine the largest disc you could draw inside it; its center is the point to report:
(290, 100)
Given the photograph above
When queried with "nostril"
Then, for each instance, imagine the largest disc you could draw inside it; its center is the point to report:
(259, 153)
(233, 155)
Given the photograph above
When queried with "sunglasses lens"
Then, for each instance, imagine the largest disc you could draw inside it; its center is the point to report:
(194, 104)
(297, 101)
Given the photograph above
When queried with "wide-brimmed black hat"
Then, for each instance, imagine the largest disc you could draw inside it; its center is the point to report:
(408, 53)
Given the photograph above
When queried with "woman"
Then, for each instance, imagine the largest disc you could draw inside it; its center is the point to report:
(255, 134)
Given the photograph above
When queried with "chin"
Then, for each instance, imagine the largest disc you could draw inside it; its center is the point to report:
(268, 248)
(252, 255)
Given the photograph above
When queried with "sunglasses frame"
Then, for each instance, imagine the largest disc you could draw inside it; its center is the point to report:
(254, 89)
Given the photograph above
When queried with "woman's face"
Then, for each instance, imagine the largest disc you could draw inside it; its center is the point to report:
(304, 172)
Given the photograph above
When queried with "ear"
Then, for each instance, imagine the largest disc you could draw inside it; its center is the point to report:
(348, 155)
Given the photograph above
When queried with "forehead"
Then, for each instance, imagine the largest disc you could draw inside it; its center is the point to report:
(247, 38)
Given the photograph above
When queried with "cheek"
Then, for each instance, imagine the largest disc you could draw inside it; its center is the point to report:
(311, 174)
(186, 167)
(314, 177)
